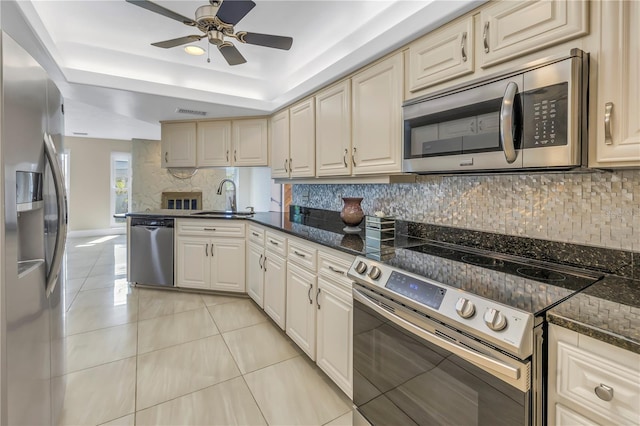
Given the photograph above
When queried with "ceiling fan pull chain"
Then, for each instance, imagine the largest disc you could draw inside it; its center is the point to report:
(208, 53)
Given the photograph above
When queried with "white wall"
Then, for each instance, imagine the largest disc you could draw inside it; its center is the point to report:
(89, 181)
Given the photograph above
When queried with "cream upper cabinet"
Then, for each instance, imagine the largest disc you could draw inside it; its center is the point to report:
(302, 139)
(178, 144)
(442, 55)
(377, 118)
(279, 127)
(250, 142)
(617, 141)
(510, 29)
(333, 130)
(214, 143)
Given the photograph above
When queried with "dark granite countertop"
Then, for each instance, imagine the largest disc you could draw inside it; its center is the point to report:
(609, 311)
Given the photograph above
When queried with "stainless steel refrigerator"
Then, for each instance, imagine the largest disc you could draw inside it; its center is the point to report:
(35, 221)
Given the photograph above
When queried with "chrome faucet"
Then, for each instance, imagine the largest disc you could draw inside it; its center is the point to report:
(231, 202)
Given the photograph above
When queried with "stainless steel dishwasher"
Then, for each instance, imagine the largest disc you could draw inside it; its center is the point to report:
(151, 248)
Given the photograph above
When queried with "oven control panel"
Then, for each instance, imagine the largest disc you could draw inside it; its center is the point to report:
(503, 326)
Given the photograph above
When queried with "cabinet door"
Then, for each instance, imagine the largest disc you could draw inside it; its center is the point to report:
(301, 308)
(618, 144)
(511, 29)
(214, 143)
(250, 142)
(178, 144)
(335, 336)
(255, 273)
(275, 288)
(441, 55)
(377, 118)
(193, 262)
(333, 130)
(228, 264)
(302, 139)
(280, 145)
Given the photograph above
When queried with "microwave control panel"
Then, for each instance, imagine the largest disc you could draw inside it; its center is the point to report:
(545, 116)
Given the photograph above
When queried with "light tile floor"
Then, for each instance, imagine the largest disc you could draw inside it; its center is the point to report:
(135, 356)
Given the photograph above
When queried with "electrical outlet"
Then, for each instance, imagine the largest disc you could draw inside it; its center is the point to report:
(339, 194)
(305, 196)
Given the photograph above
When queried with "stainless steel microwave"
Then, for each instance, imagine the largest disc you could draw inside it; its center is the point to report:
(533, 118)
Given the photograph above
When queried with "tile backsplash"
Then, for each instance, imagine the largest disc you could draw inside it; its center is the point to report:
(598, 208)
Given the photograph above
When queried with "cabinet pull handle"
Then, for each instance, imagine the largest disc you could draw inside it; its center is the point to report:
(235, 155)
(291, 164)
(604, 392)
(227, 155)
(285, 165)
(275, 243)
(264, 263)
(353, 157)
(337, 271)
(463, 45)
(608, 110)
(209, 229)
(166, 157)
(206, 250)
(344, 157)
(317, 298)
(309, 294)
(297, 253)
(260, 261)
(255, 234)
(485, 37)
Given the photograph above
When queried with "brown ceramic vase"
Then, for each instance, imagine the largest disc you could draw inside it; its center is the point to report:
(352, 213)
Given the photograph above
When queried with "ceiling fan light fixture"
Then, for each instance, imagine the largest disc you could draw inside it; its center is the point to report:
(194, 50)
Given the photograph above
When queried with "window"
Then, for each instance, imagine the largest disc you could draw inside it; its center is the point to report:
(120, 187)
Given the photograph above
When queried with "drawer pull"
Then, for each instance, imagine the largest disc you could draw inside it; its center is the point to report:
(604, 392)
(297, 253)
(255, 234)
(337, 271)
(275, 243)
(209, 229)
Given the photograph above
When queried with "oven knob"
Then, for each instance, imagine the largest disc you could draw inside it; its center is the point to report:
(375, 273)
(495, 320)
(361, 267)
(465, 308)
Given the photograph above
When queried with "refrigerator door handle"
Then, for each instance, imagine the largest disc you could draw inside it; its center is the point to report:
(61, 201)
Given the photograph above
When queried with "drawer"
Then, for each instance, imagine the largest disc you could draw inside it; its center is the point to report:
(303, 254)
(581, 373)
(275, 243)
(211, 228)
(566, 417)
(334, 265)
(256, 235)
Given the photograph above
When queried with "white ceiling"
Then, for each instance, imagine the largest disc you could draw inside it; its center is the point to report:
(116, 85)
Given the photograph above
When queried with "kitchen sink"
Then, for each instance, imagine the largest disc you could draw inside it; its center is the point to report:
(222, 214)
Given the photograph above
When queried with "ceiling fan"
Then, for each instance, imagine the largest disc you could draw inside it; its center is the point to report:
(216, 20)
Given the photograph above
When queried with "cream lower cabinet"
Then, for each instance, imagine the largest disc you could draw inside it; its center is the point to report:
(255, 273)
(301, 308)
(210, 255)
(275, 277)
(591, 382)
(617, 141)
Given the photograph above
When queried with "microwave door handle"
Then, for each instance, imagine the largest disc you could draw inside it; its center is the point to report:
(507, 131)
(61, 201)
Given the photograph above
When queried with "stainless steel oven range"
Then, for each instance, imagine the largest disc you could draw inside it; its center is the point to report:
(443, 336)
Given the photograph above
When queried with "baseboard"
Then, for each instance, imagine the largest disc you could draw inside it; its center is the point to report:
(97, 232)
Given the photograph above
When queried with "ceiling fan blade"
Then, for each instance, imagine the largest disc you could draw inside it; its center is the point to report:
(153, 7)
(232, 11)
(177, 41)
(231, 54)
(266, 40)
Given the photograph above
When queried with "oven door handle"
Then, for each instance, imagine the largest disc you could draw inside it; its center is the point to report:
(463, 352)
